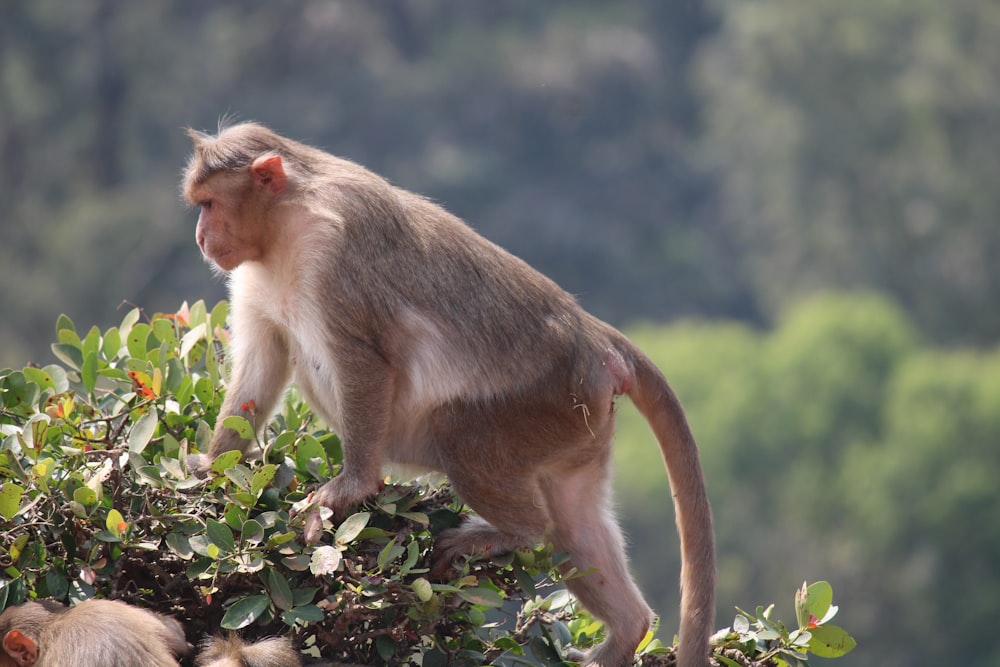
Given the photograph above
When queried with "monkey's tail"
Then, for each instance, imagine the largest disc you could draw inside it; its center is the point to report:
(657, 402)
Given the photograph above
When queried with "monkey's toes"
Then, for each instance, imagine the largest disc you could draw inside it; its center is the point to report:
(198, 465)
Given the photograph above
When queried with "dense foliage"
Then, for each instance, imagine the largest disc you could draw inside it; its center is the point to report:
(95, 501)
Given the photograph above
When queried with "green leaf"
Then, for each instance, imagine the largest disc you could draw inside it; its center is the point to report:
(325, 560)
(525, 580)
(219, 315)
(88, 371)
(262, 477)
(305, 596)
(412, 556)
(180, 545)
(20, 393)
(831, 641)
(241, 425)
(308, 613)
(226, 460)
(253, 532)
(163, 329)
(192, 338)
(92, 343)
(386, 648)
(41, 377)
(10, 499)
(818, 598)
(220, 535)
(197, 313)
(136, 341)
(802, 605)
(68, 354)
(56, 585)
(131, 317)
(422, 588)
(307, 450)
(240, 475)
(64, 323)
(204, 390)
(389, 553)
(114, 523)
(203, 436)
(245, 499)
(483, 597)
(112, 344)
(351, 528)
(235, 517)
(279, 590)
(142, 431)
(244, 612)
(86, 496)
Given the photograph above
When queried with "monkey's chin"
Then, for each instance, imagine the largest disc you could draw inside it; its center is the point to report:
(222, 262)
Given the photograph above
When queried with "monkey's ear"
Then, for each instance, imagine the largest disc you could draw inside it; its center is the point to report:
(269, 172)
(21, 648)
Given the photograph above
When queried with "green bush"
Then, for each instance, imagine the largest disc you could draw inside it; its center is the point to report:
(96, 502)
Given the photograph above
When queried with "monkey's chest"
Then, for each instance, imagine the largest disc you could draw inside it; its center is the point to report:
(316, 376)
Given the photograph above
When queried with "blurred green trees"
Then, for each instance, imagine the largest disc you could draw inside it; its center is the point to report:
(857, 146)
(658, 159)
(837, 445)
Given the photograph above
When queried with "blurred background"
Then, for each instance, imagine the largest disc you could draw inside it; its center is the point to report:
(792, 206)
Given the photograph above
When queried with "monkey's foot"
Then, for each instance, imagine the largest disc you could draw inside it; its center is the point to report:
(198, 465)
(475, 536)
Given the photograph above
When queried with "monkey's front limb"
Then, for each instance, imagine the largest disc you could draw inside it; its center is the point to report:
(260, 374)
(365, 406)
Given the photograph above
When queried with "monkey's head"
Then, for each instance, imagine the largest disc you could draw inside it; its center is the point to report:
(237, 178)
(20, 627)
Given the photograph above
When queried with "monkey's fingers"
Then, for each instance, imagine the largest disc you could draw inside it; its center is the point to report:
(313, 528)
(442, 566)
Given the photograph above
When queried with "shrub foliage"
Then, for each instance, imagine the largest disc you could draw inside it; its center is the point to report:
(95, 501)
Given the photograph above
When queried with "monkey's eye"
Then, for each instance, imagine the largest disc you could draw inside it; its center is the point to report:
(205, 204)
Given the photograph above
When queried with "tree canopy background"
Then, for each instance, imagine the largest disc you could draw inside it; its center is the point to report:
(718, 163)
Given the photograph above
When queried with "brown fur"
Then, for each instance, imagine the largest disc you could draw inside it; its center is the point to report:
(423, 343)
(95, 633)
(234, 652)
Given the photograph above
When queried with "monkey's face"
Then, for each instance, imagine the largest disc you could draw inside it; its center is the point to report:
(231, 230)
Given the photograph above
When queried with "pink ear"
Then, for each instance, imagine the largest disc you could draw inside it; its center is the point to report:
(21, 648)
(269, 172)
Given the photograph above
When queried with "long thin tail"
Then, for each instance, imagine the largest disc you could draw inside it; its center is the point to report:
(659, 405)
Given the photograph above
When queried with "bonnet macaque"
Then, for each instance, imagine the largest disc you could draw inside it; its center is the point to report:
(234, 652)
(422, 343)
(94, 633)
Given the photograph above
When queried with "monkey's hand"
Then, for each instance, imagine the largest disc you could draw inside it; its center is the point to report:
(313, 528)
(198, 465)
(315, 514)
(340, 494)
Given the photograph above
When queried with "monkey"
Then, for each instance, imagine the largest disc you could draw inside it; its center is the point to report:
(234, 652)
(424, 344)
(94, 633)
